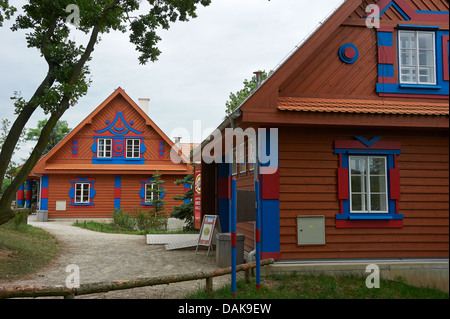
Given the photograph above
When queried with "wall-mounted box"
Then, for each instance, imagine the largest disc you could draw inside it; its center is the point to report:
(311, 230)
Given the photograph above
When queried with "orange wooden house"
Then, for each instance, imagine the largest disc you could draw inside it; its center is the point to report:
(107, 162)
(358, 120)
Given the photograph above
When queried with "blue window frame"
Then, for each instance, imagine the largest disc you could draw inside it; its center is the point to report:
(82, 191)
(145, 192)
(367, 179)
(421, 58)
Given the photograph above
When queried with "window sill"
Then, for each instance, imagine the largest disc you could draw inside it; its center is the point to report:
(421, 86)
(381, 216)
(82, 204)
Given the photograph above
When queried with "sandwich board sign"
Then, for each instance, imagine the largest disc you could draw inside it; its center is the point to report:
(207, 231)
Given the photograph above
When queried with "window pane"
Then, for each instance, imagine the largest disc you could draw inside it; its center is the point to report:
(85, 193)
(378, 203)
(357, 202)
(378, 184)
(377, 166)
(357, 166)
(426, 58)
(425, 40)
(426, 75)
(358, 184)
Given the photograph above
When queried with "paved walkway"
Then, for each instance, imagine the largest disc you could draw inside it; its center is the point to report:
(108, 257)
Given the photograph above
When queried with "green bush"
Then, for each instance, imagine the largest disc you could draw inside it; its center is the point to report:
(123, 219)
(20, 218)
(139, 219)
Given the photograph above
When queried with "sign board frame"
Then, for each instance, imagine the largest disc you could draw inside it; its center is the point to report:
(210, 226)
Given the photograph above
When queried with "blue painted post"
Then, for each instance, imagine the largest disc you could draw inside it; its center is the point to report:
(28, 194)
(20, 196)
(258, 235)
(233, 236)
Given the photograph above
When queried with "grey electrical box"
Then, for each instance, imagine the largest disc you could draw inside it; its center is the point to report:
(311, 230)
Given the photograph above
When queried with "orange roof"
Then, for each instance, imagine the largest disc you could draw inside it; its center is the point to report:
(361, 106)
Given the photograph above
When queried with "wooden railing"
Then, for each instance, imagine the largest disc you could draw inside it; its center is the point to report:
(99, 287)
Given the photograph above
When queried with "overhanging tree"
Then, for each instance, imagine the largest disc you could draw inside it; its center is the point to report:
(67, 78)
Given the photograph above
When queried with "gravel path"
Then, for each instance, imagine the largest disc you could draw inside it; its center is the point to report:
(108, 257)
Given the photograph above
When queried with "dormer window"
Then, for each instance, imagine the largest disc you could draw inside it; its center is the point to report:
(417, 57)
(133, 148)
(104, 148)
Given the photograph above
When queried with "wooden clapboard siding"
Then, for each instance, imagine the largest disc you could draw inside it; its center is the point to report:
(59, 191)
(104, 198)
(308, 186)
(131, 185)
(324, 73)
(245, 181)
(86, 133)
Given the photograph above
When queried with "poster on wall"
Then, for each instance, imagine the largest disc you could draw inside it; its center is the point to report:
(208, 231)
(197, 198)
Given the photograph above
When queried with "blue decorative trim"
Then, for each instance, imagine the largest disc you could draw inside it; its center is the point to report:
(370, 142)
(432, 12)
(119, 131)
(392, 3)
(366, 151)
(118, 155)
(92, 191)
(385, 39)
(117, 184)
(342, 53)
(422, 27)
(390, 163)
(142, 192)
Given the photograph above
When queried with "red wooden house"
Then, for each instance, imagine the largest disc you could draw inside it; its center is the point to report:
(107, 162)
(357, 118)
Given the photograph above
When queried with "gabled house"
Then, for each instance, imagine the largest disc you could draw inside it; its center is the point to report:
(356, 121)
(107, 162)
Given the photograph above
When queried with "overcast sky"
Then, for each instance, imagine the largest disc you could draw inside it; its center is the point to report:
(202, 61)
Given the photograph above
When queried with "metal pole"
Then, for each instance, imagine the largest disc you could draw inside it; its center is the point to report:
(258, 236)
(233, 236)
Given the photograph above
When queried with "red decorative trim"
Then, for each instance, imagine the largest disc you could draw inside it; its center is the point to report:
(394, 177)
(274, 255)
(386, 55)
(391, 223)
(271, 186)
(380, 145)
(445, 39)
(117, 192)
(343, 189)
(385, 29)
(20, 194)
(386, 80)
(419, 96)
(233, 239)
(258, 235)
(44, 192)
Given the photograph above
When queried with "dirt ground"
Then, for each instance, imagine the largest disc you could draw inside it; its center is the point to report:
(109, 257)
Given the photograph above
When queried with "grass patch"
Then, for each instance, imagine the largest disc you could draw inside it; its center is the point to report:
(24, 249)
(312, 286)
(113, 228)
